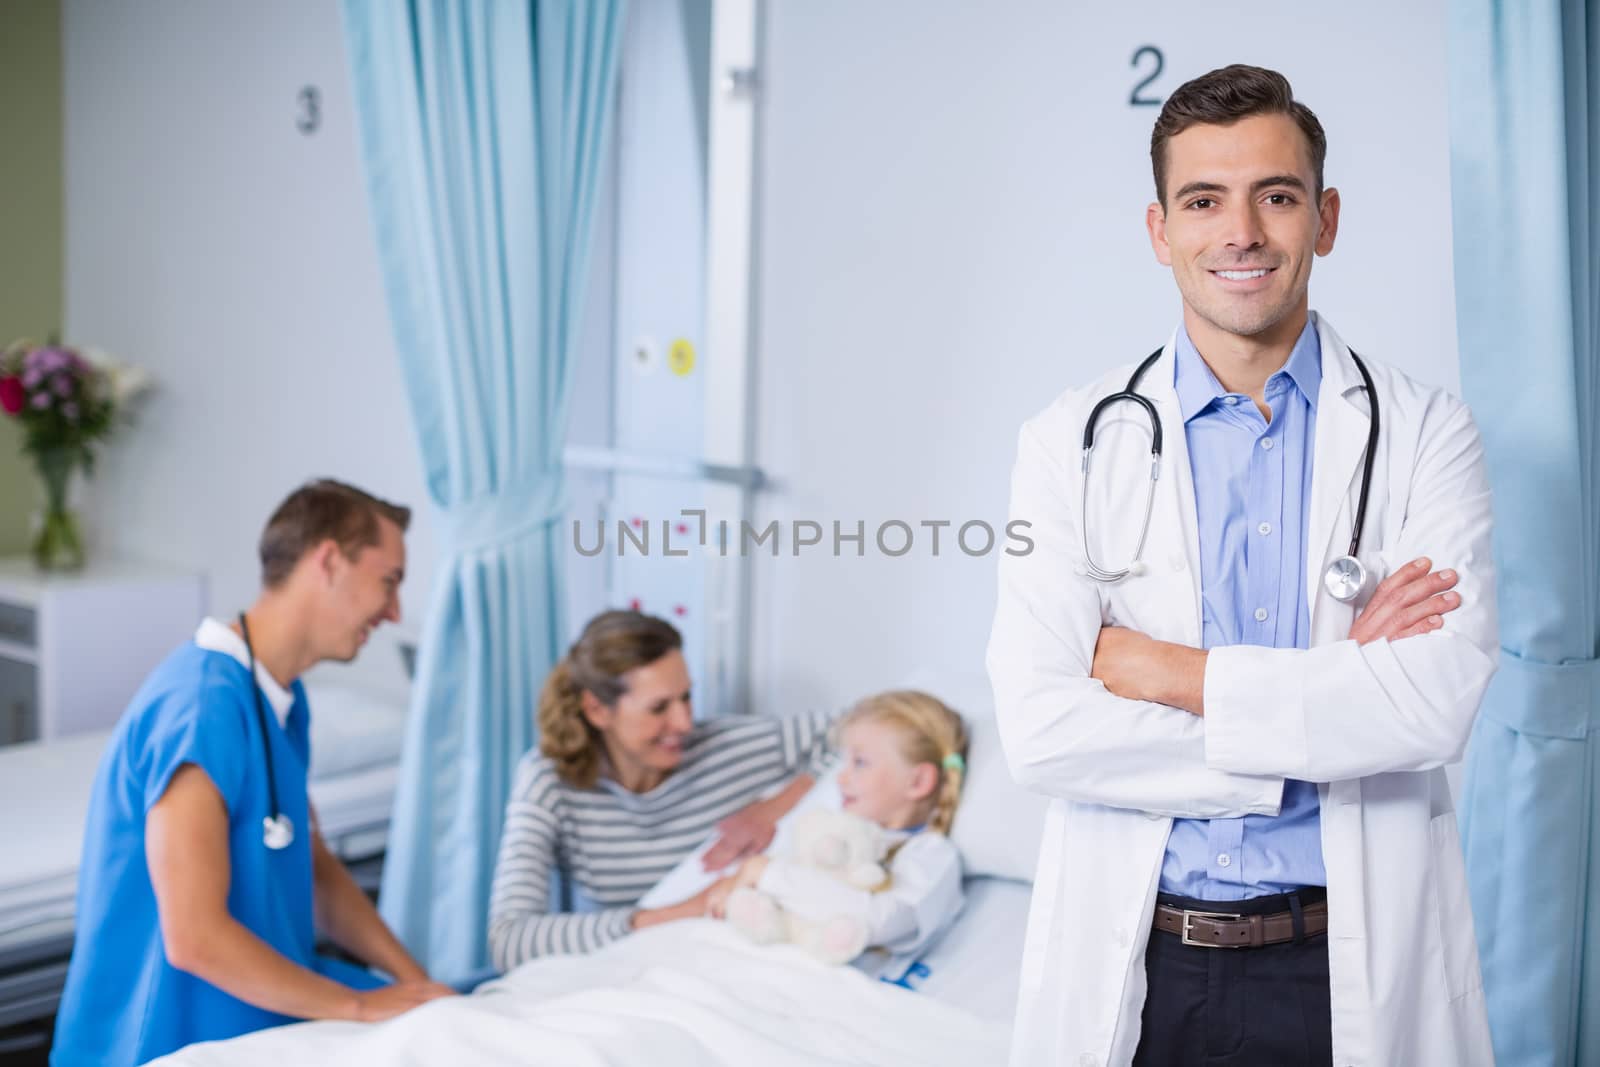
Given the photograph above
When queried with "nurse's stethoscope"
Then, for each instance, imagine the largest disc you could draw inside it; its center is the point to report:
(1345, 576)
(277, 832)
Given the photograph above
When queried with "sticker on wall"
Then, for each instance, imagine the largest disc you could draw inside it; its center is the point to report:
(681, 357)
(643, 355)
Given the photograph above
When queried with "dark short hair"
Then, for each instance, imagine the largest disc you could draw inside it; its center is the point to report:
(1222, 98)
(319, 511)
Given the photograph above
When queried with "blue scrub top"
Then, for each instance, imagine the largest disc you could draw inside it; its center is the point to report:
(124, 1003)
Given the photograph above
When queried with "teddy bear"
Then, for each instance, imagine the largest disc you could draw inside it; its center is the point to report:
(843, 846)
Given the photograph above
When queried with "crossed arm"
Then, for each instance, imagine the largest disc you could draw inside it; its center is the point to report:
(1109, 716)
(1410, 602)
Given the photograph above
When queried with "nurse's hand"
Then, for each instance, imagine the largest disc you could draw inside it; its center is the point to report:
(376, 1005)
(1411, 601)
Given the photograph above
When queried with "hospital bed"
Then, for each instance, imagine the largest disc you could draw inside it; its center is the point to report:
(356, 734)
(694, 992)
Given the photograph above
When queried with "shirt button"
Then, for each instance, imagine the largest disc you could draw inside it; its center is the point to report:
(1087, 1059)
(1266, 443)
(1120, 935)
(1230, 400)
(1264, 529)
(1261, 615)
(1224, 860)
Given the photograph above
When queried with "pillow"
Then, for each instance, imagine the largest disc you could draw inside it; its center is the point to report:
(353, 729)
(999, 824)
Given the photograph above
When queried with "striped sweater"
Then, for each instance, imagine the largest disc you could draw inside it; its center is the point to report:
(613, 845)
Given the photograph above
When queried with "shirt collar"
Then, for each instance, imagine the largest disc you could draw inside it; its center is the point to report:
(1197, 386)
(217, 636)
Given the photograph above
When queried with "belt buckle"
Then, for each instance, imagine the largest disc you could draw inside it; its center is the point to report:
(1190, 916)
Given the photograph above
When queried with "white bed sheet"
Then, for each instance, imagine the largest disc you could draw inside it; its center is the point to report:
(684, 994)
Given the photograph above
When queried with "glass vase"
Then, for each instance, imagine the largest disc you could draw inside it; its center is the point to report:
(58, 543)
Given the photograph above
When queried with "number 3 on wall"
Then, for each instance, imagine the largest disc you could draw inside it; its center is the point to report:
(1134, 99)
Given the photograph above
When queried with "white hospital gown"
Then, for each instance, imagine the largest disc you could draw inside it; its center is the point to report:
(923, 895)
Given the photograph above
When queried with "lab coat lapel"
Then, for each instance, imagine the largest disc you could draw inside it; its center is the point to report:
(1172, 553)
(1342, 423)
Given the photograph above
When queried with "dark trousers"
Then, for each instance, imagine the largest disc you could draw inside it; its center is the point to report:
(1236, 1007)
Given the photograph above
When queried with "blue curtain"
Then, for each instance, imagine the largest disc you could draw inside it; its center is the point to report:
(482, 126)
(1525, 134)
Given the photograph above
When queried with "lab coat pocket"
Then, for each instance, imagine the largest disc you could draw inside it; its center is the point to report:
(1459, 944)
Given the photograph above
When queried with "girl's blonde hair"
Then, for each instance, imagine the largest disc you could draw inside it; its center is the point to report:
(611, 645)
(930, 732)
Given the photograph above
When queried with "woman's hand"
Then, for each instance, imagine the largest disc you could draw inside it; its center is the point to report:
(695, 907)
(744, 833)
(717, 896)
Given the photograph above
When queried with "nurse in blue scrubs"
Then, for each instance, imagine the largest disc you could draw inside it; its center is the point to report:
(204, 881)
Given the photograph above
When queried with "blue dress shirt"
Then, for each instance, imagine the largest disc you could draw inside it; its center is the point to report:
(1252, 488)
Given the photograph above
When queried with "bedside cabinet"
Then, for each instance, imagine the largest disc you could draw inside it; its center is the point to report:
(75, 647)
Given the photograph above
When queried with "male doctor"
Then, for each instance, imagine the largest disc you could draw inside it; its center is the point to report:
(203, 879)
(1251, 857)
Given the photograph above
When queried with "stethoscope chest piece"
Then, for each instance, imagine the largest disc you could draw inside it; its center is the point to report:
(277, 832)
(1345, 578)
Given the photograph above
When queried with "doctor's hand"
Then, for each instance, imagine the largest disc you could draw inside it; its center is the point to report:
(376, 1005)
(1409, 602)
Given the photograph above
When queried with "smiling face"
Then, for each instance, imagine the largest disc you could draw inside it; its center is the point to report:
(1241, 226)
(361, 593)
(644, 730)
(877, 782)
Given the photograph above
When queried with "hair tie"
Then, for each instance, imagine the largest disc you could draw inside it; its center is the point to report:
(954, 762)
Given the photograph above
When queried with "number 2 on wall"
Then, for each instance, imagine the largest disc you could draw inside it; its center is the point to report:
(1134, 99)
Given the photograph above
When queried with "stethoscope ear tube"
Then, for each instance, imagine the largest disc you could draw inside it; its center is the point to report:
(1091, 568)
(1345, 577)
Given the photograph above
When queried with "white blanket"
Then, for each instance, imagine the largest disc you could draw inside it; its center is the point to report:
(693, 993)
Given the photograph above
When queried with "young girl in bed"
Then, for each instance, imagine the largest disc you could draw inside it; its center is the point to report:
(904, 758)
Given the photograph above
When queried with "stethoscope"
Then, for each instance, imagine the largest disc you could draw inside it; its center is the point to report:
(1345, 577)
(277, 832)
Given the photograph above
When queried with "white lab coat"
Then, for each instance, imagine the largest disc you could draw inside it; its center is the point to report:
(1373, 725)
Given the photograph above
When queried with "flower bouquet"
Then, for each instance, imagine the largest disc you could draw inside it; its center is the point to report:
(66, 402)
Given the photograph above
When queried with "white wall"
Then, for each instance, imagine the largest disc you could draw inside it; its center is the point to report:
(951, 232)
(210, 241)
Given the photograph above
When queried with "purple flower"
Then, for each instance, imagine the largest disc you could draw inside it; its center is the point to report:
(51, 359)
(70, 410)
(31, 377)
(41, 400)
(62, 384)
